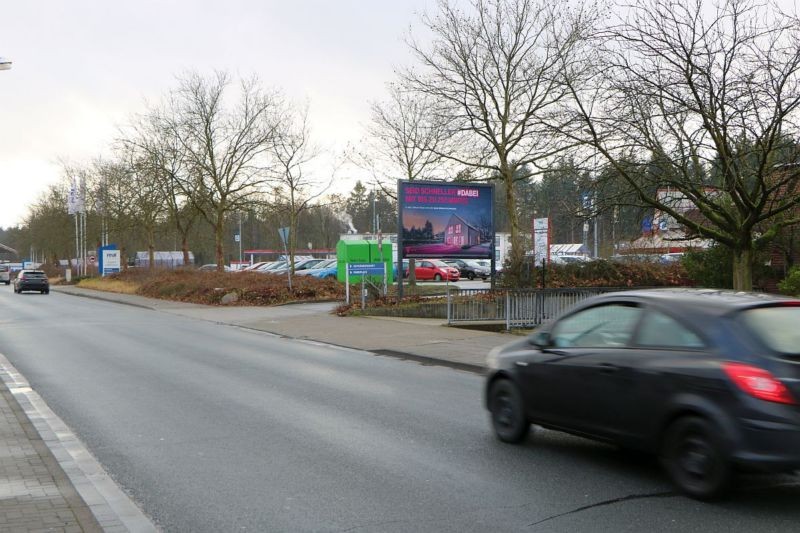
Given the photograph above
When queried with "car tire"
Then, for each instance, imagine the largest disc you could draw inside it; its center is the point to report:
(470, 276)
(694, 456)
(437, 277)
(509, 420)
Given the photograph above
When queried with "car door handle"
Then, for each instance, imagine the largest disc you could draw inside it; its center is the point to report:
(521, 363)
(608, 368)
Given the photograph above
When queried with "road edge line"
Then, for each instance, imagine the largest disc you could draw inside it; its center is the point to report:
(93, 484)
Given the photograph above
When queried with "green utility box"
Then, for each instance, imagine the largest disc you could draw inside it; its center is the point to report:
(363, 251)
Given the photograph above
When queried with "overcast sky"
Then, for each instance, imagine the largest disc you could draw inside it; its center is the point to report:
(82, 66)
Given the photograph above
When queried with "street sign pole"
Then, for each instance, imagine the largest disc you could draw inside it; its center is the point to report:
(284, 233)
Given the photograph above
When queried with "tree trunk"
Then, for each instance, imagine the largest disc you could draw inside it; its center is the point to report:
(151, 249)
(517, 253)
(218, 248)
(743, 269)
(185, 249)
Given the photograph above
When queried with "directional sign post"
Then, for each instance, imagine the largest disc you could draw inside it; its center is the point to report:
(363, 270)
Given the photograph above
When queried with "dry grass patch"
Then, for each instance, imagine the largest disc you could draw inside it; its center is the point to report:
(109, 285)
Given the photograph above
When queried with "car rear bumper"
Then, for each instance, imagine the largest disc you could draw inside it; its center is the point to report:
(768, 446)
(33, 287)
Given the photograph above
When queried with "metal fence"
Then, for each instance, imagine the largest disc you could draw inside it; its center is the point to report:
(517, 308)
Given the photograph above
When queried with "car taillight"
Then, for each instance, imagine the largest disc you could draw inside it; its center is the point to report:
(758, 383)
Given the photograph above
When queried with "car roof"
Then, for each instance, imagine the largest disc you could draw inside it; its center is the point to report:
(707, 301)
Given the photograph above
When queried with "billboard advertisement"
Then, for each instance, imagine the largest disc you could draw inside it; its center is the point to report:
(446, 220)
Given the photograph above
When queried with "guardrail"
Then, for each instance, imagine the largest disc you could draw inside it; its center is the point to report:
(518, 308)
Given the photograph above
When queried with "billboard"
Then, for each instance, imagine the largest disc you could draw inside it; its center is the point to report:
(445, 220)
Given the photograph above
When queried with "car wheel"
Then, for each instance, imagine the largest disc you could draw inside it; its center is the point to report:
(437, 277)
(509, 420)
(695, 459)
(470, 276)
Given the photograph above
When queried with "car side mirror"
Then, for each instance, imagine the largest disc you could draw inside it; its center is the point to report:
(541, 339)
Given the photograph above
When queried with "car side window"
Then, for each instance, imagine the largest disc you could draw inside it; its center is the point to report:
(663, 331)
(603, 326)
(427, 264)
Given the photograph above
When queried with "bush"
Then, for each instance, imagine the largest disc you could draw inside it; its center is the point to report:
(791, 283)
(210, 287)
(712, 268)
(602, 273)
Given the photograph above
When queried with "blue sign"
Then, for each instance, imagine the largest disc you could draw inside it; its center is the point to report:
(647, 225)
(365, 269)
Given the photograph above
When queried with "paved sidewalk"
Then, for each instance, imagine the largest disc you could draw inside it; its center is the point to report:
(35, 494)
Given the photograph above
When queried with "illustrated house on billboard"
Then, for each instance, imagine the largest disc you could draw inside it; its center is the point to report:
(459, 233)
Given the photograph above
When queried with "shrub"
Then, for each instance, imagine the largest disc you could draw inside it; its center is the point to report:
(602, 273)
(790, 285)
(210, 287)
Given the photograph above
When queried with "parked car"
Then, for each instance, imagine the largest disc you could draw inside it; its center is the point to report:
(326, 269)
(707, 380)
(668, 259)
(300, 264)
(31, 280)
(568, 259)
(470, 269)
(427, 269)
(211, 267)
(269, 267)
(487, 263)
(254, 266)
(5, 275)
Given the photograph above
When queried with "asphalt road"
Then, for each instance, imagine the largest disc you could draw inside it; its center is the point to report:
(215, 428)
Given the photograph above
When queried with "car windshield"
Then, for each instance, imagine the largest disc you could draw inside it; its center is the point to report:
(34, 274)
(473, 264)
(440, 264)
(776, 327)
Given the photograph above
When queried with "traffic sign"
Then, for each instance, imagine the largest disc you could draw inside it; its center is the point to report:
(284, 233)
(92, 259)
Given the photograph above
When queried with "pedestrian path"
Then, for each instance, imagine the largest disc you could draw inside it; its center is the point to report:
(35, 494)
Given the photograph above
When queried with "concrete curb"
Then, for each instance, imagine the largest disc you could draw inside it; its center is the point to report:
(101, 296)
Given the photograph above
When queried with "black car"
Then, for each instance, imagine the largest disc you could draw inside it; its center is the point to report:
(707, 380)
(469, 269)
(31, 280)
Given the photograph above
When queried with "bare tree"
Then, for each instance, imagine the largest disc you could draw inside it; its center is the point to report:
(493, 77)
(158, 147)
(293, 151)
(225, 145)
(403, 140)
(706, 99)
(148, 204)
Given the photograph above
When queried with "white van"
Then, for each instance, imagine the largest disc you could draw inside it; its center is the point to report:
(5, 277)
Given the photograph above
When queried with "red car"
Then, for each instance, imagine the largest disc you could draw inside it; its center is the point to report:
(435, 270)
